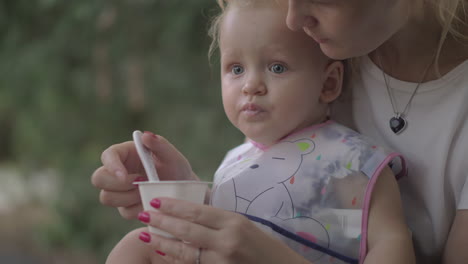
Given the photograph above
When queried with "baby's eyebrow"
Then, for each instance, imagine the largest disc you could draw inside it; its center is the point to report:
(278, 158)
(230, 52)
(277, 50)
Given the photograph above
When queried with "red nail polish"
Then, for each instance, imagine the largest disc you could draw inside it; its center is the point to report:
(145, 237)
(144, 217)
(156, 203)
(140, 179)
(160, 253)
(151, 134)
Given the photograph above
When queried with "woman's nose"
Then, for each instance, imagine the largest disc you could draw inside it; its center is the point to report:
(298, 16)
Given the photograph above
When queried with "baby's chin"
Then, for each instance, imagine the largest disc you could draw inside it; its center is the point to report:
(264, 142)
(263, 134)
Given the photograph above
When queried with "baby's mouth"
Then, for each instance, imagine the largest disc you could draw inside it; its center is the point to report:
(251, 109)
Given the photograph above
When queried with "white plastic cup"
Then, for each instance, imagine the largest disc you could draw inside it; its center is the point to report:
(193, 191)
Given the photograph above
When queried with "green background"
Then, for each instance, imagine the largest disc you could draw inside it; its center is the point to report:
(77, 77)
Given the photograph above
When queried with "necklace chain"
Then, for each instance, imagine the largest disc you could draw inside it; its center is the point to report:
(390, 94)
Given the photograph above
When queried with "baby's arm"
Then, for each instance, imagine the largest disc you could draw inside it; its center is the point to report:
(132, 250)
(389, 240)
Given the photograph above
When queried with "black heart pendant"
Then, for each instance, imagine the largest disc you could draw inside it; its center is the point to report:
(397, 124)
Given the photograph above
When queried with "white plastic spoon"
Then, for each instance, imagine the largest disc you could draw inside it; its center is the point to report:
(145, 156)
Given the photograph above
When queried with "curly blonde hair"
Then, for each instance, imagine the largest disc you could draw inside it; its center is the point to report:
(214, 30)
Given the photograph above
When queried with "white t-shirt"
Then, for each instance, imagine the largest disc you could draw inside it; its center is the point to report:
(435, 144)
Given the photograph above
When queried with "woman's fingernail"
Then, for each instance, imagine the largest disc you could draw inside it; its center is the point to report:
(160, 253)
(144, 217)
(151, 134)
(140, 178)
(145, 237)
(156, 203)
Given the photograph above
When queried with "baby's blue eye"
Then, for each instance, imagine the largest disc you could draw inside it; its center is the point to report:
(237, 70)
(277, 68)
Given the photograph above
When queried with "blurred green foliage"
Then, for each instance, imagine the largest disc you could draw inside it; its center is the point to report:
(78, 76)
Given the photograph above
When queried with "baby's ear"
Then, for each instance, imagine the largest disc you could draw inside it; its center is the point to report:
(333, 83)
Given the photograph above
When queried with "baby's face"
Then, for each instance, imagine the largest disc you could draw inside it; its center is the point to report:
(272, 77)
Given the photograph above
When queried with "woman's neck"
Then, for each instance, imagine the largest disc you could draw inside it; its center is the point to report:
(410, 51)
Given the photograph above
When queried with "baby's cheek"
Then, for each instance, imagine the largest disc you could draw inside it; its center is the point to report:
(232, 114)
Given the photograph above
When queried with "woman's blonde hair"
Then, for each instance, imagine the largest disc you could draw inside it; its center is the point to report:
(453, 18)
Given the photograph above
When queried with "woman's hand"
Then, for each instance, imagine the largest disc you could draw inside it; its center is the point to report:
(121, 166)
(224, 237)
